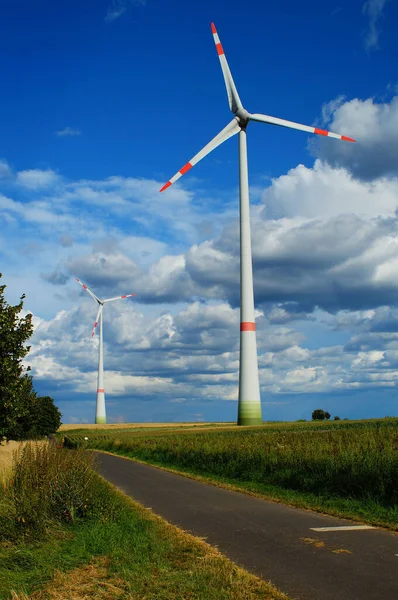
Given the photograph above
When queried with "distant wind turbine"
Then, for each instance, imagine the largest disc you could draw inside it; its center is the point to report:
(249, 406)
(100, 413)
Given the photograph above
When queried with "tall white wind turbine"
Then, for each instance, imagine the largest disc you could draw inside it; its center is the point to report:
(100, 413)
(249, 407)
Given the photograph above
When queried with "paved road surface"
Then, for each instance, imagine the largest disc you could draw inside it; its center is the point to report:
(267, 538)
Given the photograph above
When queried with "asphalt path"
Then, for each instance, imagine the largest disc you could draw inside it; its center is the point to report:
(274, 541)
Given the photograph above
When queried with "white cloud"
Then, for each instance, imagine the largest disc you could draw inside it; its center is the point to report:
(373, 9)
(68, 131)
(375, 127)
(34, 179)
(326, 191)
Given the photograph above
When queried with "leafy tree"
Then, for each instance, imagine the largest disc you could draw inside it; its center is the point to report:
(20, 407)
(336, 418)
(45, 416)
(327, 415)
(14, 333)
(318, 415)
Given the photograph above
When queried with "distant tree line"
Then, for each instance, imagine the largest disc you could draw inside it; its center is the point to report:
(322, 415)
(23, 413)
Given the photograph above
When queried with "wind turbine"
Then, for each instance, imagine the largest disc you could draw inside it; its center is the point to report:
(249, 406)
(100, 413)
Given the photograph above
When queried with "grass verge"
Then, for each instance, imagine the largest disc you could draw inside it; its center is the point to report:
(114, 549)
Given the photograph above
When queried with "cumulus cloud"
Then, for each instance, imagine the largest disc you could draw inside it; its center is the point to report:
(375, 127)
(37, 179)
(373, 9)
(328, 191)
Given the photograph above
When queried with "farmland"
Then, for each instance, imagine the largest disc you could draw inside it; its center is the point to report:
(348, 468)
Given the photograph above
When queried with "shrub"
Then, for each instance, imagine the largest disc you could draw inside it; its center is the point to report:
(51, 485)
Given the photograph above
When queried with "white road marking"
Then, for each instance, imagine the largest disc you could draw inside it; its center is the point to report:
(343, 528)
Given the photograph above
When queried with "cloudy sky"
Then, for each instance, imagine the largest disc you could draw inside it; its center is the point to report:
(103, 101)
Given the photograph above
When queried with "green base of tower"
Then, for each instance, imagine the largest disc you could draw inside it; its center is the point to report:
(100, 420)
(249, 413)
(248, 421)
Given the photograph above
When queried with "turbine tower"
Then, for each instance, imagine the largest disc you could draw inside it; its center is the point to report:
(100, 413)
(249, 406)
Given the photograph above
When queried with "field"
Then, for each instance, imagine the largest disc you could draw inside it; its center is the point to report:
(344, 467)
(115, 426)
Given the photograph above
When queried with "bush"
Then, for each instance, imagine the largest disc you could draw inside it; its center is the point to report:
(51, 485)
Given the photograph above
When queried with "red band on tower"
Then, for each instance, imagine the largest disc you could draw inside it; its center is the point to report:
(100, 390)
(247, 326)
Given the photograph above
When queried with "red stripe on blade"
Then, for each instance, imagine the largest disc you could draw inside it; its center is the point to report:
(247, 326)
(100, 390)
(166, 185)
(213, 28)
(321, 131)
(186, 168)
(219, 49)
(123, 296)
(347, 139)
(85, 287)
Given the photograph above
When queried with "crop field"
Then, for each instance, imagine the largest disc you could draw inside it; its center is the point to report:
(344, 463)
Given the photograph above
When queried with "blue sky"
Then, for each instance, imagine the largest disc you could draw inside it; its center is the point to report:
(105, 101)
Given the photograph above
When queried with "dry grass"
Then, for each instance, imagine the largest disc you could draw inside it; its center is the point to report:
(84, 583)
(69, 426)
(6, 453)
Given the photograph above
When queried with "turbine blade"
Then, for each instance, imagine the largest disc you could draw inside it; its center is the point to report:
(97, 320)
(87, 290)
(292, 125)
(233, 97)
(231, 129)
(118, 298)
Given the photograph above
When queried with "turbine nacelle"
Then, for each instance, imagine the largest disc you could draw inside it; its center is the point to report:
(243, 117)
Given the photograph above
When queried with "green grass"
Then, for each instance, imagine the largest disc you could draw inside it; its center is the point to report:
(344, 468)
(114, 548)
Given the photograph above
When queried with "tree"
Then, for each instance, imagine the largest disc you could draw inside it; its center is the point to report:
(327, 415)
(336, 418)
(46, 417)
(319, 415)
(20, 407)
(14, 333)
